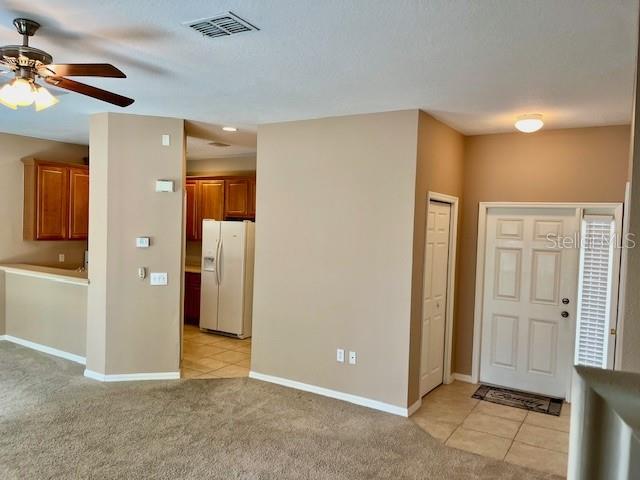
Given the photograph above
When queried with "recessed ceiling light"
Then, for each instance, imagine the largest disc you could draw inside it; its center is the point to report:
(230, 129)
(529, 123)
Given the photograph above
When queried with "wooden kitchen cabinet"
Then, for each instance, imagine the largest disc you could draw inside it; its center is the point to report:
(251, 210)
(191, 188)
(78, 203)
(56, 201)
(211, 203)
(192, 283)
(236, 202)
(218, 198)
(51, 202)
(205, 200)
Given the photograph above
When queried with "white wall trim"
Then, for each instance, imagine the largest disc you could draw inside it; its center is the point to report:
(451, 281)
(326, 392)
(131, 377)
(44, 349)
(622, 279)
(460, 377)
(613, 207)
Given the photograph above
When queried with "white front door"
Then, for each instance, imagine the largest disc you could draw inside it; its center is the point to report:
(530, 297)
(434, 295)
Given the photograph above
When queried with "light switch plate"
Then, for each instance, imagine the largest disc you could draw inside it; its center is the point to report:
(166, 140)
(158, 278)
(340, 355)
(143, 242)
(352, 358)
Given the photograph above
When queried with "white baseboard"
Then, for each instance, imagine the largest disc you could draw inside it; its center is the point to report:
(463, 378)
(131, 377)
(326, 392)
(44, 349)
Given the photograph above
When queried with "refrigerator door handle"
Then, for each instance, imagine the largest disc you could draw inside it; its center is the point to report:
(218, 253)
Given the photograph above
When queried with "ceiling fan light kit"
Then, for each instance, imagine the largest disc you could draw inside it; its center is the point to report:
(23, 93)
(29, 64)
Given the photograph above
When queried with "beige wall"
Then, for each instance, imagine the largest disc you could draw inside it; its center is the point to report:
(222, 166)
(47, 312)
(439, 169)
(334, 244)
(132, 326)
(13, 249)
(573, 165)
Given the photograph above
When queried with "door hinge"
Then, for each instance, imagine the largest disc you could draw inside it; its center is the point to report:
(613, 331)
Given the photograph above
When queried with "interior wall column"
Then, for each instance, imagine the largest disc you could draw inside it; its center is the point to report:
(133, 328)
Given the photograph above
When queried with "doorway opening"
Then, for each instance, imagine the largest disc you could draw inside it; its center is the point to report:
(438, 291)
(546, 293)
(219, 206)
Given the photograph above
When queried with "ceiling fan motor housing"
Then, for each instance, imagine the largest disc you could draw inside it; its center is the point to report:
(26, 27)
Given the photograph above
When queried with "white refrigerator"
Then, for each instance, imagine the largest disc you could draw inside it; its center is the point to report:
(226, 297)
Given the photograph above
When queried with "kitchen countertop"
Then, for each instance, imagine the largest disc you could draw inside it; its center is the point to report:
(192, 269)
(51, 273)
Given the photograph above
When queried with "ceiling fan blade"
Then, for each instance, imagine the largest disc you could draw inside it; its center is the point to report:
(89, 91)
(84, 70)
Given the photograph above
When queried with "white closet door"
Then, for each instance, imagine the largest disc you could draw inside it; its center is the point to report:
(530, 298)
(434, 296)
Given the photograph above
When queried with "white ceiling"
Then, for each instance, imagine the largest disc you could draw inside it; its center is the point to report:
(473, 64)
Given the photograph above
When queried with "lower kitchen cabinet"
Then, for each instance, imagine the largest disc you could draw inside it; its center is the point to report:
(192, 298)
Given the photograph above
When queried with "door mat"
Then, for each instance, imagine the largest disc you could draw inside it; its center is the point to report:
(514, 398)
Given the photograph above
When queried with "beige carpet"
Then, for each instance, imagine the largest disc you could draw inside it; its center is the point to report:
(54, 424)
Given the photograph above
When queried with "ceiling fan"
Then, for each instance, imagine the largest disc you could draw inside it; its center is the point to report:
(30, 64)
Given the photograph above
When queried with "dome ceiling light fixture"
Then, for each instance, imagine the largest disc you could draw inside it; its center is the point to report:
(529, 123)
(29, 64)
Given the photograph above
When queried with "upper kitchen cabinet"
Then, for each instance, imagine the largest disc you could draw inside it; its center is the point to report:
(191, 189)
(56, 201)
(252, 197)
(211, 204)
(240, 198)
(78, 203)
(236, 202)
(205, 200)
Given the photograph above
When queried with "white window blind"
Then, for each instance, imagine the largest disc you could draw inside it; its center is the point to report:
(594, 290)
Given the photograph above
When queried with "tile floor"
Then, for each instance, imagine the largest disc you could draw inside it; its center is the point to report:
(207, 355)
(529, 439)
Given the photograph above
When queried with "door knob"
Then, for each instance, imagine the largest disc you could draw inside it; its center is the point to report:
(564, 314)
(565, 301)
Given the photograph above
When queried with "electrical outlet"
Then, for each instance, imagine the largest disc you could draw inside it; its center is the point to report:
(157, 278)
(61, 257)
(340, 355)
(352, 358)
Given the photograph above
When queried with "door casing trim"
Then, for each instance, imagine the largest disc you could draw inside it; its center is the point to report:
(447, 376)
(614, 208)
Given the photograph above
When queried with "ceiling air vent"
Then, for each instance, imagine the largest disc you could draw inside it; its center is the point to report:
(221, 25)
